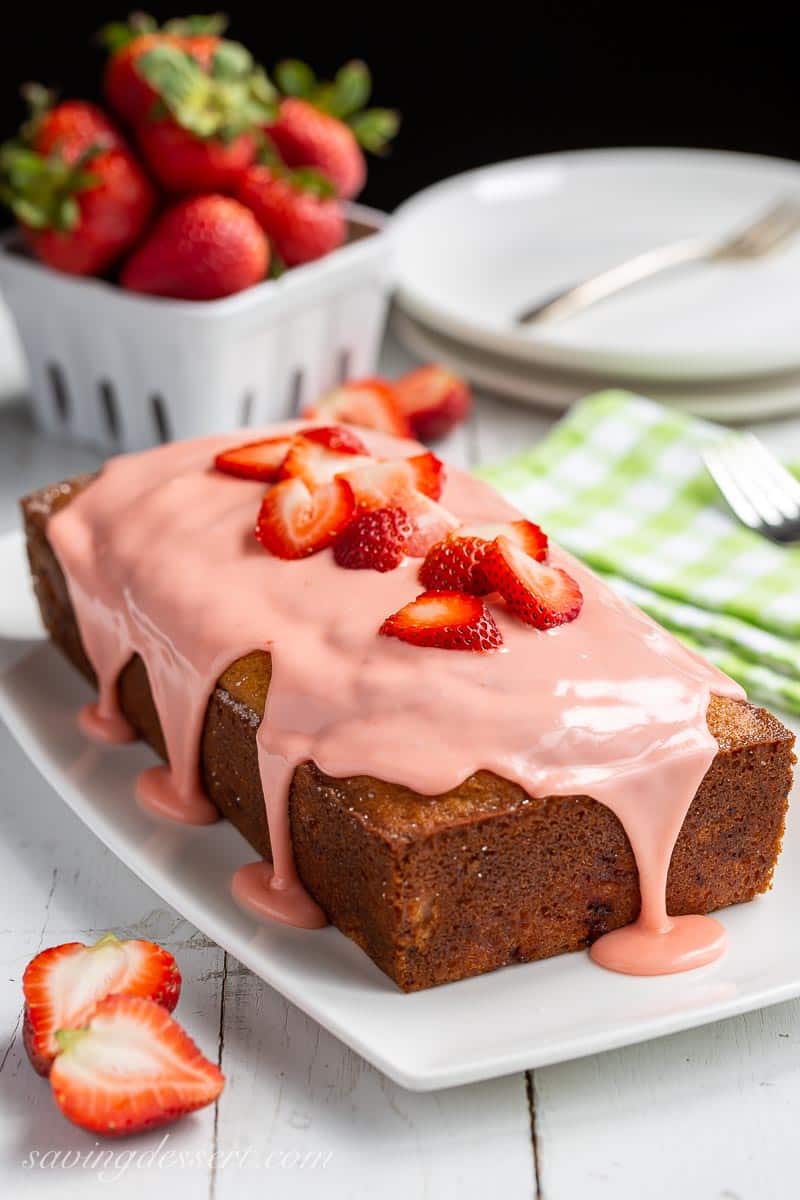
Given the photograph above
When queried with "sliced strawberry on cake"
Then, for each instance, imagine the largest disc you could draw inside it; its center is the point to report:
(376, 540)
(255, 460)
(295, 521)
(454, 563)
(130, 1068)
(64, 984)
(445, 621)
(318, 455)
(539, 594)
(371, 403)
(397, 483)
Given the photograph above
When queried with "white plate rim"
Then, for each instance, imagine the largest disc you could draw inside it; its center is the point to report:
(692, 366)
(207, 916)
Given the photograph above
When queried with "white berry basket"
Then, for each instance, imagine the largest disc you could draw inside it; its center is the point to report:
(123, 371)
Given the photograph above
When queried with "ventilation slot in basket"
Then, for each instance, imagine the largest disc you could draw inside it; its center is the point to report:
(246, 417)
(160, 418)
(344, 365)
(296, 392)
(109, 410)
(61, 400)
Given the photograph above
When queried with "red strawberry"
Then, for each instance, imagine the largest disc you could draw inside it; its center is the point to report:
(315, 461)
(302, 217)
(307, 137)
(370, 403)
(200, 249)
(294, 522)
(375, 540)
(434, 401)
(208, 136)
(428, 473)
(67, 129)
(182, 162)
(540, 595)
(126, 90)
(132, 1068)
(255, 460)
(455, 562)
(64, 985)
(447, 620)
(80, 209)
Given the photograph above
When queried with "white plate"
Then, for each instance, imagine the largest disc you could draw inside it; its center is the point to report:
(474, 250)
(546, 388)
(522, 1016)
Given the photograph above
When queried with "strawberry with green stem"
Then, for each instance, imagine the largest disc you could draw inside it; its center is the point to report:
(80, 196)
(205, 129)
(325, 125)
(125, 88)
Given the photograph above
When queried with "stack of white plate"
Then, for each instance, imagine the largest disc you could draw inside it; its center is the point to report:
(719, 339)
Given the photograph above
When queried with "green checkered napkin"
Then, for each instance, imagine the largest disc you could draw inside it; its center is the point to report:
(620, 482)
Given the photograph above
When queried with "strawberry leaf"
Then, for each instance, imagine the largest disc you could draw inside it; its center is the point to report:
(307, 179)
(117, 34)
(231, 61)
(295, 78)
(375, 128)
(210, 24)
(351, 89)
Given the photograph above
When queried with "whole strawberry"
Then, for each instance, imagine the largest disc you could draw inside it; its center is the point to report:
(80, 196)
(202, 248)
(127, 91)
(323, 125)
(203, 133)
(298, 211)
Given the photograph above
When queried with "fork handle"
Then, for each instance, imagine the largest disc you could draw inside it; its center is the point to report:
(608, 283)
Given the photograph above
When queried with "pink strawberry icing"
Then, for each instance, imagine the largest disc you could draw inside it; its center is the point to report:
(160, 560)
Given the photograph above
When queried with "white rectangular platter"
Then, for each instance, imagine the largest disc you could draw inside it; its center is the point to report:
(524, 1016)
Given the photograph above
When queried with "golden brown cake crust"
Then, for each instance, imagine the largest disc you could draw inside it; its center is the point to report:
(439, 888)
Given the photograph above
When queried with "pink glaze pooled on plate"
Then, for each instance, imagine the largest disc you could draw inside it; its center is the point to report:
(161, 560)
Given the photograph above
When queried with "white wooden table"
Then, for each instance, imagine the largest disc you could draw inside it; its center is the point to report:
(707, 1115)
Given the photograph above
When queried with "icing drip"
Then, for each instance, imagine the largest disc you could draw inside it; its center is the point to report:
(161, 561)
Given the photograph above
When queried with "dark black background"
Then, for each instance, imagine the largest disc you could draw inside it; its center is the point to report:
(476, 86)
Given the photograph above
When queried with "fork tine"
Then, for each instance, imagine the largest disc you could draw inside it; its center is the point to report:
(786, 489)
(725, 481)
(754, 466)
(749, 480)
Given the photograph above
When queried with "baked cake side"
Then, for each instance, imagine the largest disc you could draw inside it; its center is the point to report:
(436, 889)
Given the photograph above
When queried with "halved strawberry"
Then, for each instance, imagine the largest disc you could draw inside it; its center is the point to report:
(375, 540)
(446, 620)
(429, 474)
(433, 400)
(389, 484)
(64, 984)
(540, 595)
(255, 460)
(131, 1068)
(371, 403)
(295, 522)
(455, 562)
(318, 455)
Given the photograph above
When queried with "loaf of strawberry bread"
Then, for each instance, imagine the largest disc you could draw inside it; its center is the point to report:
(436, 888)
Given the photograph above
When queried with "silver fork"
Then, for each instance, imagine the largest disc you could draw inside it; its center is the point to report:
(761, 492)
(768, 232)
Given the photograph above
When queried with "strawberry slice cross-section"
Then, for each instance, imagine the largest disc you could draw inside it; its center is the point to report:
(539, 594)
(295, 522)
(255, 460)
(64, 984)
(445, 621)
(318, 455)
(131, 1068)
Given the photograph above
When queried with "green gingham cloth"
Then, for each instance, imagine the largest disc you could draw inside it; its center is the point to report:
(620, 482)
